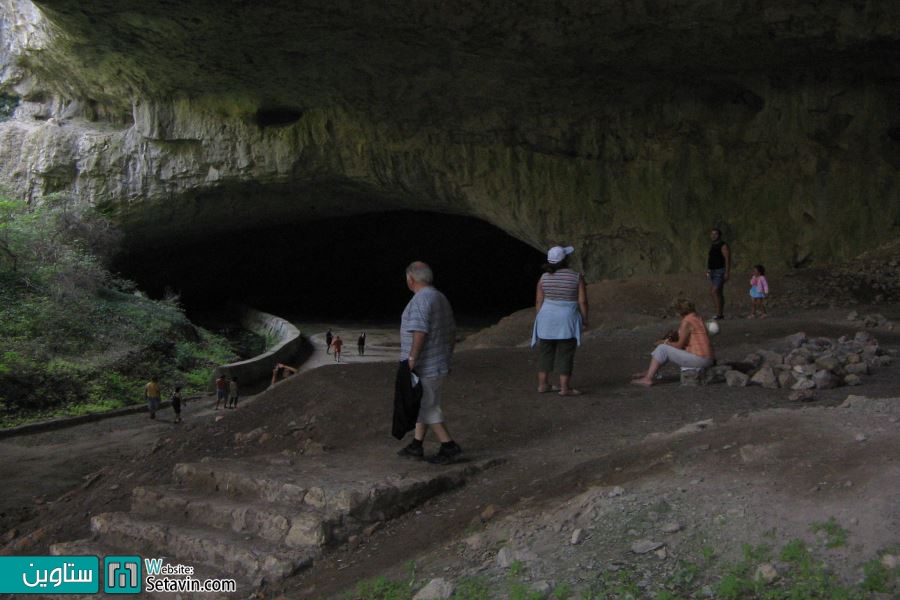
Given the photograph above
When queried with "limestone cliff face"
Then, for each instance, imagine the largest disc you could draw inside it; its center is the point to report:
(625, 128)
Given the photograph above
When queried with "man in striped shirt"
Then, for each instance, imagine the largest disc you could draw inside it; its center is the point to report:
(427, 337)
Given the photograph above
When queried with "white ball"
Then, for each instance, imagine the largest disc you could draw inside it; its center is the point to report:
(712, 327)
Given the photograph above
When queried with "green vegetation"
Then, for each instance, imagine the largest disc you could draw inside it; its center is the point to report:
(75, 339)
(801, 575)
(382, 588)
(622, 583)
(472, 588)
(835, 535)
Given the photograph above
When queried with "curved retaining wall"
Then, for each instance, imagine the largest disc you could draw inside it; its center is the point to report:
(290, 347)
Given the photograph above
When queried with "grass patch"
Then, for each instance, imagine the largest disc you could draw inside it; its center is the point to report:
(472, 588)
(74, 338)
(801, 575)
(613, 585)
(382, 588)
(835, 535)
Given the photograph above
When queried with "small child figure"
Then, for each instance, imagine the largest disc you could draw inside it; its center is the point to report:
(232, 393)
(176, 403)
(759, 291)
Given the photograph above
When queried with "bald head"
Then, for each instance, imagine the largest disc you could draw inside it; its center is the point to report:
(418, 275)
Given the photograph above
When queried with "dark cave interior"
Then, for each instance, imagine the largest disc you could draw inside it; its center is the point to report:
(347, 269)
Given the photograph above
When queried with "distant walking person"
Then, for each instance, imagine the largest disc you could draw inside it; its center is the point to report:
(759, 291)
(337, 345)
(232, 393)
(718, 270)
(152, 395)
(328, 340)
(221, 390)
(176, 403)
(427, 337)
(361, 344)
(561, 312)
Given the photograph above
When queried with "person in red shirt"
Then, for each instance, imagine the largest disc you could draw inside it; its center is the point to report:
(221, 390)
(336, 346)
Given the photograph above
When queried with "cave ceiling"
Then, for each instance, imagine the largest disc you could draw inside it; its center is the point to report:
(617, 126)
(454, 57)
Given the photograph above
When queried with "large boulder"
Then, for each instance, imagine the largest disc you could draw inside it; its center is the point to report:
(765, 377)
(736, 379)
(825, 380)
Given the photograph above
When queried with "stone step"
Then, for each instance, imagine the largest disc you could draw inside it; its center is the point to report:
(202, 572)
(330, 486)
(240, 480)
(290, 525)
(240, 556)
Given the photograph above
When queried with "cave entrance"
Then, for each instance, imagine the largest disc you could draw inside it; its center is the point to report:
(345, 269)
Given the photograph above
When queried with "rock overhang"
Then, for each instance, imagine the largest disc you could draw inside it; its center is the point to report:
(453, 56)
(613, 125)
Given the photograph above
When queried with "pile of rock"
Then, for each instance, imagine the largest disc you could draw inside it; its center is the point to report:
(867, 281)
(810, 364)
(873, 320)
(873, 277)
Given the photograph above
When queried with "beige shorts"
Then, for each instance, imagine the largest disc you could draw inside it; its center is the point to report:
(430, 412)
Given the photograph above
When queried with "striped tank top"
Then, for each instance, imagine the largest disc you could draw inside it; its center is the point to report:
(562, 285)
(698, 344)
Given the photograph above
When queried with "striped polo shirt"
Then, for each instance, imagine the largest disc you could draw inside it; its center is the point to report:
(429, 311)
(561, 285)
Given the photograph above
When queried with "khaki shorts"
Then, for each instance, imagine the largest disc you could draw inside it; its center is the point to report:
(430, 412)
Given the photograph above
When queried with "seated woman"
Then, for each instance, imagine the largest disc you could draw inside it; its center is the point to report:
(691, 348)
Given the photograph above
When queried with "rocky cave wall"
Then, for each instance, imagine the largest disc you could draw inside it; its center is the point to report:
(626, 128)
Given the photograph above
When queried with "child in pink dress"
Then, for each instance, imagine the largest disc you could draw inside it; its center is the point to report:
(759, 291)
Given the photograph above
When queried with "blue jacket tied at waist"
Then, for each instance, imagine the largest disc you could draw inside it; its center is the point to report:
(557, 320)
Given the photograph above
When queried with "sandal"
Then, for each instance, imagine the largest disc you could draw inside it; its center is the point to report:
(570, 392)
(641, 382)
(544, 390)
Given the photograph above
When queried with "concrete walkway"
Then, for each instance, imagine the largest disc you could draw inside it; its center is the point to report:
(382, 345)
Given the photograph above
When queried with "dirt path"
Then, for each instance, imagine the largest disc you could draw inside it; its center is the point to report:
(41, 467)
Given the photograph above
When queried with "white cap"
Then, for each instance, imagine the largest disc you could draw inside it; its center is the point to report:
(557, 254)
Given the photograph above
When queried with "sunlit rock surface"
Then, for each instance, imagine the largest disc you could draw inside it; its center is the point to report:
(625, 128)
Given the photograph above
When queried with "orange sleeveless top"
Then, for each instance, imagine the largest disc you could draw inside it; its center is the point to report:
(698, 343)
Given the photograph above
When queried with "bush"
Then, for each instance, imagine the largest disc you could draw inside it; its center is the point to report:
(75, 338)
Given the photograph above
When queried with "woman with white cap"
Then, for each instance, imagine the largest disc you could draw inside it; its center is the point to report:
(561, 309)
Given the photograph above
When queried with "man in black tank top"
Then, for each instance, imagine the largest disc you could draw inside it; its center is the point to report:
(718, 270)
